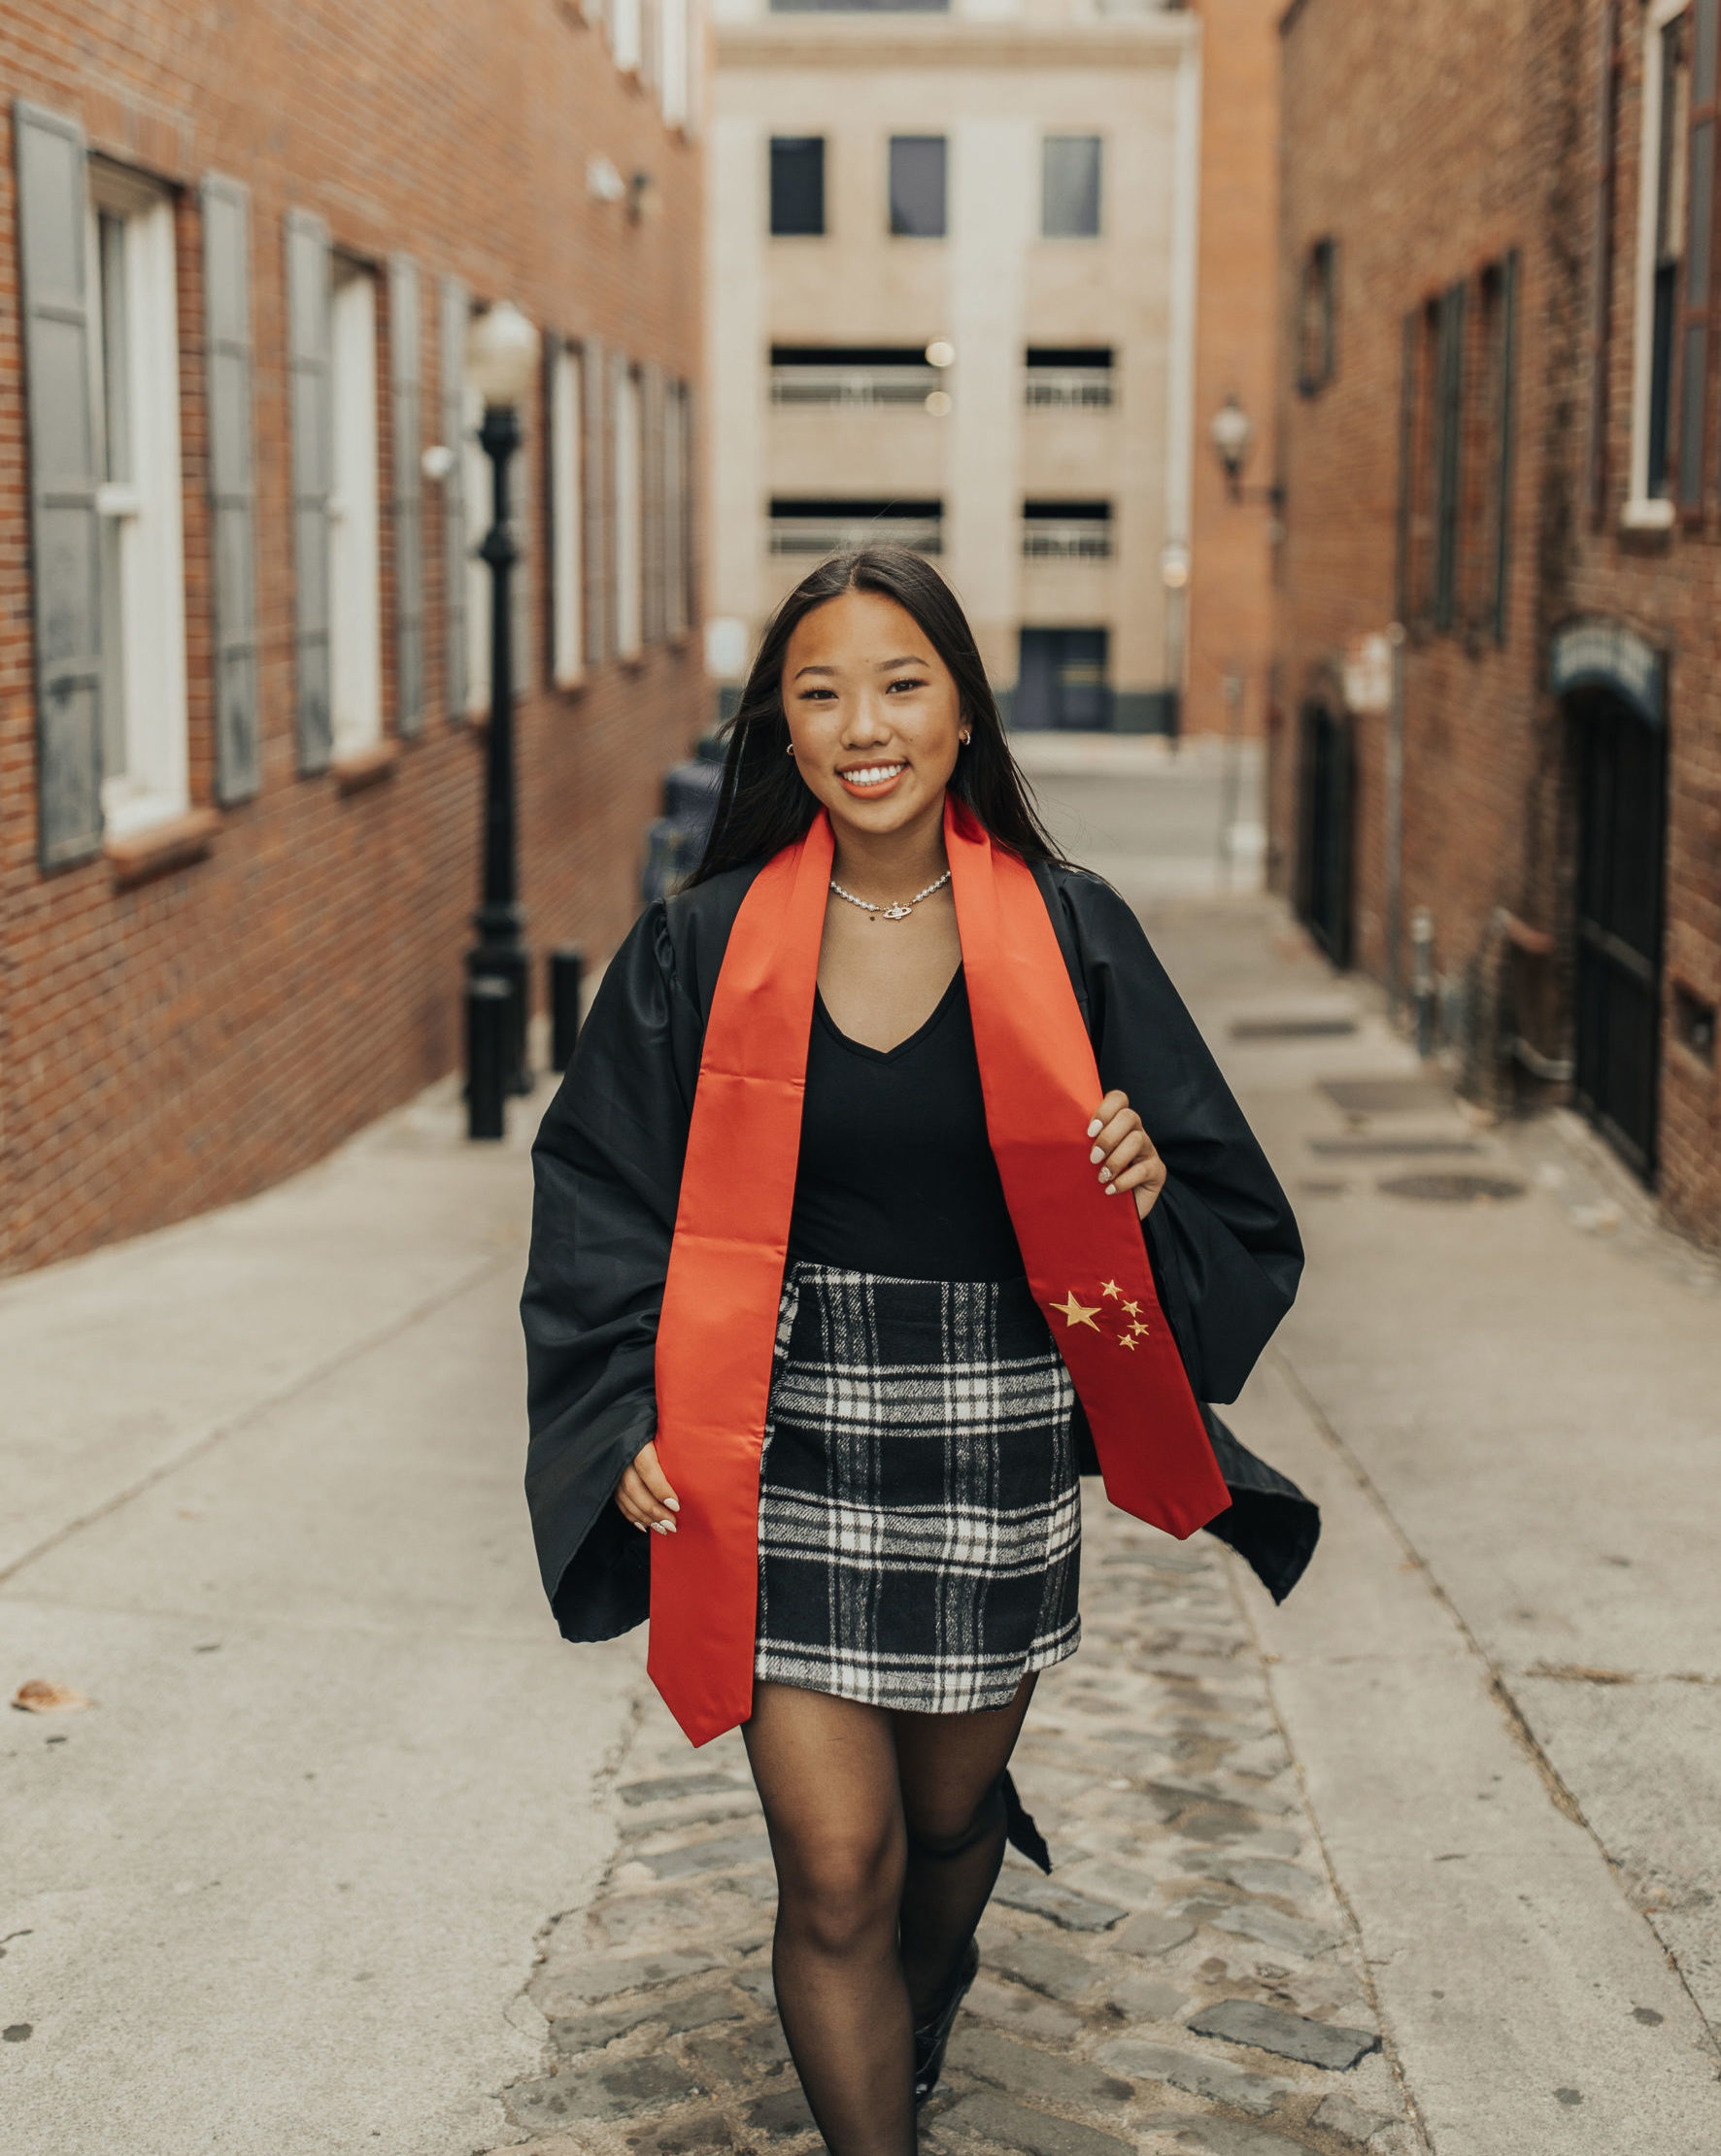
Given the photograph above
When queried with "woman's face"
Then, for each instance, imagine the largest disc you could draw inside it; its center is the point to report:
(874, 717)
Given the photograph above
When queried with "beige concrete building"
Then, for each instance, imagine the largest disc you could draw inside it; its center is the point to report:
(953, 273)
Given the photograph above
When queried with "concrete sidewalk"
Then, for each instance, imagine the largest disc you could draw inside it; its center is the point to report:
(276, 1891)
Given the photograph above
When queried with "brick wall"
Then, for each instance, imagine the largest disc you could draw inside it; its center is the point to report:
(1433, 139)
(178, 1041)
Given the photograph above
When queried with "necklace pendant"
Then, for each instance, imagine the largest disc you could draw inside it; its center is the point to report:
(898, 912)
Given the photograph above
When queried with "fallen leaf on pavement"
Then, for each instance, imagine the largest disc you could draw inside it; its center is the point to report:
(39, 1697)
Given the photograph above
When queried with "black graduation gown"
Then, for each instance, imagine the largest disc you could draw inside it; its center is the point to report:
(607, 1167)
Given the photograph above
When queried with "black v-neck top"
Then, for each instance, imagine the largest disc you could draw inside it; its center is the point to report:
(896, 1173)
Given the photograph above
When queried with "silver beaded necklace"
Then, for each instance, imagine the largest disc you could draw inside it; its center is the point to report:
(900, 911)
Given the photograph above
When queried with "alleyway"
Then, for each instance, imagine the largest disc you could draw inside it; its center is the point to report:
(349, 1853)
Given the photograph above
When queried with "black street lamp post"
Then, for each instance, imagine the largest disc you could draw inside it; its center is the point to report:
(501, 363)
(500, 952)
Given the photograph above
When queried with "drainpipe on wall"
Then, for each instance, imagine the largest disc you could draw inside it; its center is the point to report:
(1394, 825)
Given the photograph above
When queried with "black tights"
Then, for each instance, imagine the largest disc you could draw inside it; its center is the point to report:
(888, 1831)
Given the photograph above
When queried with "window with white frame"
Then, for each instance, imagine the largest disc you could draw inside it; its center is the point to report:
(1660, 247)
(675, 57)
(676, 507)
(136, 392)
(1069, 186)
(355, 560)
(628, 34)
(567, 519)
(630, 548)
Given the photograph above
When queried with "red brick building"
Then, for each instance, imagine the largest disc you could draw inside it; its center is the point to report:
(243, 637)
(1500, 375)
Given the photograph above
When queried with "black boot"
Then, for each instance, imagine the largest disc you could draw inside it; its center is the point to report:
(932, 2040)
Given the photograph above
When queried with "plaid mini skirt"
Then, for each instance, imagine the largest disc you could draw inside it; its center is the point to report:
(920, 1509)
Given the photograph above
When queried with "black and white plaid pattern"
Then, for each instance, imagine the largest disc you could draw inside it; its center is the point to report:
(920, 1516)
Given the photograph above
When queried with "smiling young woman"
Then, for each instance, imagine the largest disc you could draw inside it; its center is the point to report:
(831, 1302)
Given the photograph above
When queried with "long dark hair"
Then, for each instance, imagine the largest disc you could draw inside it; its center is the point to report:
(766, 806)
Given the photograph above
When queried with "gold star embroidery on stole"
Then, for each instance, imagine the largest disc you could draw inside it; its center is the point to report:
(1075, 1313)
(1126, 1340)
(1133, 1308)
(1111, 1289)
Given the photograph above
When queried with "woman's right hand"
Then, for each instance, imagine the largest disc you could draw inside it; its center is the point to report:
(644, 1493)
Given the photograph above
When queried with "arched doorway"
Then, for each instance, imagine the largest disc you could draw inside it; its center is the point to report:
(1611, 682)
(1327, 764)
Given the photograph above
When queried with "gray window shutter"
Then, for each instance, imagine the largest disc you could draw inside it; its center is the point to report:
(594, 376)
(65, 549)
(232, 494)
(653, 606)
(457, 308)
(555, 539)
(687, 566)
(404, 380)
(313, 454)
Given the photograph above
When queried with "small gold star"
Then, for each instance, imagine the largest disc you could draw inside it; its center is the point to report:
(1140, 1329)
(1128, 1340)
(1075, 1313)
(1111, 1289)
(1133, 1308)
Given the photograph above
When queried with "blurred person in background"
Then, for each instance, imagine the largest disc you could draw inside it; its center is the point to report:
(891, 1187)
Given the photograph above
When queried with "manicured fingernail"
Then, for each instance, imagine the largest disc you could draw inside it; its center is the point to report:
(1111, 1189)
(1095, 1128)
(674, 1503)
(1098, 1154)
(662, 1527)
(640, 1524)
(1105, 1175)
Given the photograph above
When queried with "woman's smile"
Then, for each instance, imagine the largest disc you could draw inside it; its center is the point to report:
(871, 782)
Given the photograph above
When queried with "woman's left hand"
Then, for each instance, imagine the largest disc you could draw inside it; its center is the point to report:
(1124, 1153)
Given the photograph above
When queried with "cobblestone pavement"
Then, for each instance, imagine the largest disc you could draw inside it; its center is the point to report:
(1186, 1979)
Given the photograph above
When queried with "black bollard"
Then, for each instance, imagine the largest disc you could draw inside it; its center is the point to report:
(567, 974)
(489, 1054)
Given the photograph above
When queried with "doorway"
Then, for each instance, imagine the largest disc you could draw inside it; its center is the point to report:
(1621, 759)
(1062, 680)
(1325, 856)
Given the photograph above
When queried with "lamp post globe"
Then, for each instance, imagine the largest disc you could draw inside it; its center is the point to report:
(501, 353)
(1231, 433)
(501, 360)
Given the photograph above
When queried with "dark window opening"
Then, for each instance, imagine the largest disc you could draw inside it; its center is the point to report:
(1691, 309)
(917, 187)
(1066, 530)
(1069, 188)
(1070, 377)
(859, 7)
(1432, 449)
(1318, 318)
(1062, 681)
(1485, 478)
(797, 186)
(1675, 118)
(818, 526)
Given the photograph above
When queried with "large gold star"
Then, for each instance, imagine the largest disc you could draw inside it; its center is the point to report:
(1133, 1308)
(1075, 1313)
(1111, 1289)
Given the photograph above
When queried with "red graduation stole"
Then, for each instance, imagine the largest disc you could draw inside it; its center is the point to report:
(1084, 1252)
